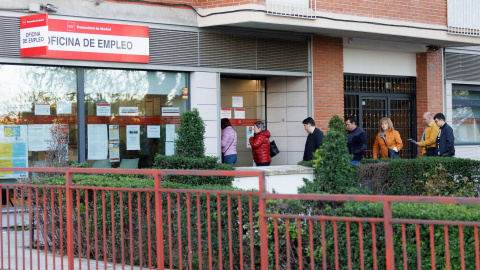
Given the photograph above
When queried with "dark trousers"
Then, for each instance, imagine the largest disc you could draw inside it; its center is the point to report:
(431, 152)
(263, 164)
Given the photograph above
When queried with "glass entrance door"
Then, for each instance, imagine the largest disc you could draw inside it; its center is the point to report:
(245, 98)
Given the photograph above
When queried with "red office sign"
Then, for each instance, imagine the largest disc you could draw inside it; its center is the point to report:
(34, 35)
(80, 40)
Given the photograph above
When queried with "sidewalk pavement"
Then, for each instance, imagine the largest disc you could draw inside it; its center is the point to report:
(22, 257)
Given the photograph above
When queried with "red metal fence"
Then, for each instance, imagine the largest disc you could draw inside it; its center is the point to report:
(85, 227)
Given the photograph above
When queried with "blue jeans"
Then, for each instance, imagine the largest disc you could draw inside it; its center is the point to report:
(230, 159)
(355, 162)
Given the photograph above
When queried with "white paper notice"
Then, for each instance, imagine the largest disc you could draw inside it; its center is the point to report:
(237, 102)
(153, 131)
(170, 111)
(39, 137)
(97, 142)
(64, 107)
(249, 134)
(103, 109)
(128, 111)
(239, 113)
(113, 133)
(114, 143)
(226, 113)
(170, 133)
(20, 107)
(133, 137)
(42, 109)
(114, 152)
(169, 148)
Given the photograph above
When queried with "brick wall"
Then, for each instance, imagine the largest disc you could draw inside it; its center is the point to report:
(429, 86)
(327, 79)
(422, 11)
(193, 3)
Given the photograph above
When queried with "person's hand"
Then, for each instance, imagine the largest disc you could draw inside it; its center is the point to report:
(395, 149)
(417, 143)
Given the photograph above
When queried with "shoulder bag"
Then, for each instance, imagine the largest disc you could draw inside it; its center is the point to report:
(391, 153)
(273, 149)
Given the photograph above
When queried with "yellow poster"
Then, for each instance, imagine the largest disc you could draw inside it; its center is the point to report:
(5, 163)
(6, 150)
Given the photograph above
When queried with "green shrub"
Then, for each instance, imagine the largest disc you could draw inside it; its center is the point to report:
(100, 203)
(306, 163)
(193, 163)
(333, 171)
(301, 229)
(408, 176)
(409, 211)
(241, 235)
(190, 136)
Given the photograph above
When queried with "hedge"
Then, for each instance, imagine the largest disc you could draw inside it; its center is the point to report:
(95, 205)
(178, 162)
(408, 176)
(349, 209)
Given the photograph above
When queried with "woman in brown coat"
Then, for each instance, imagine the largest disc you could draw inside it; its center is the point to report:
(388, 137)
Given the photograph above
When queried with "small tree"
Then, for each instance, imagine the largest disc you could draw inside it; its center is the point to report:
(190, 155)
(333, 171)
(190, 136)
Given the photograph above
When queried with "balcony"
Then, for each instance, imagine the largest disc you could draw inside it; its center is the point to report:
(292, 8)
(463, 17)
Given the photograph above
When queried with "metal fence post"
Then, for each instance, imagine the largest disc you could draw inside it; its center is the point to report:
(388, 228)
(68, 190)
(263, 223)
(159, 222)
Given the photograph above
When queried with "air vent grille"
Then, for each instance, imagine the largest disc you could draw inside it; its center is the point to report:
(220, 49)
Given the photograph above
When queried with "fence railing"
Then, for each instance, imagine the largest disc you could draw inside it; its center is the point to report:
(74, 227)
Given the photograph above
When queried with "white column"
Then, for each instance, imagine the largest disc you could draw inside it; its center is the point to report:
(205, 95)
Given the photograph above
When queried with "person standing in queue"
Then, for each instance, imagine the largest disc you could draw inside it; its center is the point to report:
(314, 138)
(445, 143)
(357, 140)
(387, 138)
(229, 142)
(260, 144)
(429, 136)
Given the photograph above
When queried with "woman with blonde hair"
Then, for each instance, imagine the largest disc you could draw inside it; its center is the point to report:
(387, 138)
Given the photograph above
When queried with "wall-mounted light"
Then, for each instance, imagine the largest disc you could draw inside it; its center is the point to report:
(433, 47)
(37, 7)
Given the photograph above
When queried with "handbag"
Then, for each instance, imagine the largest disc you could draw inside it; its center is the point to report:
(392, 153)
(223, 154)
(273, 149)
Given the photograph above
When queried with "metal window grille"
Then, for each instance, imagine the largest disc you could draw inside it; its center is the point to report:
(370, 98)
(463, 17)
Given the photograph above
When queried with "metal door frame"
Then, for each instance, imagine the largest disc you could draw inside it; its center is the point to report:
(411, 153)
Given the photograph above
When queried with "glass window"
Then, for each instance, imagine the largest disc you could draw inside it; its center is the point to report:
(133, 100)
(466, 114)
(32, 98)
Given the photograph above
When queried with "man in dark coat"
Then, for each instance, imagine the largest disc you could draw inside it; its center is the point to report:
(357, 140)
(314, 139)
(445, 139)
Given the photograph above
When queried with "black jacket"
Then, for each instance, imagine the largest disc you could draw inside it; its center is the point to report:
(357, 143)
(314, 141)
(445, 142)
